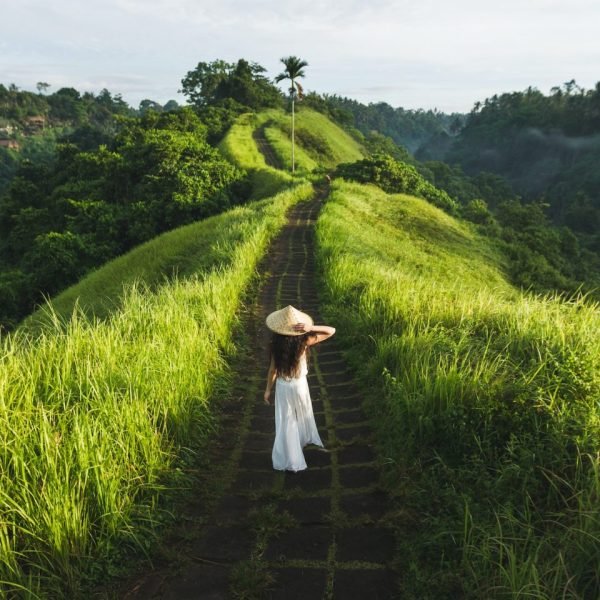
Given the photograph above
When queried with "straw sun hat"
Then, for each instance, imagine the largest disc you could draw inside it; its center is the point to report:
(283, 321)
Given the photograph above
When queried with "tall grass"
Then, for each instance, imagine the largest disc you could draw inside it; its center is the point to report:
(281, 142)
(340, 145)
(320, 143)
(96, 416)
(487, 400)
(239, 147)
(181, 252)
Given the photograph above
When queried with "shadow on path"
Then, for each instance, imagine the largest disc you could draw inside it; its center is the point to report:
(265, 148)
(315, 534)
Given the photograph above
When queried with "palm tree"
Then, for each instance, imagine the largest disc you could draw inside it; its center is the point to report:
(293, 69)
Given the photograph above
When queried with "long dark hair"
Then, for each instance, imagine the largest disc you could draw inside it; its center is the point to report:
(286, 351)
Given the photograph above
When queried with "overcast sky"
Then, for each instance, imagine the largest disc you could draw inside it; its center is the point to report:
(417, 54)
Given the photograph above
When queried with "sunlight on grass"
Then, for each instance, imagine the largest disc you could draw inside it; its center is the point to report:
(487, 395)
(239, 147)
(320, 143)
(94, 415)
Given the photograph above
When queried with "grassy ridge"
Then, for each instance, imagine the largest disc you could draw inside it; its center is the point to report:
(486, 401)
(239, 147)
(96, 415)
(281, 143)
(182, 252)
(320, 143)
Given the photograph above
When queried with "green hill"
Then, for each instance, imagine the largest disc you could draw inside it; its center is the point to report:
(320, 143)
(108, 386)
(195, 247)
(103, 412)
(485, 399)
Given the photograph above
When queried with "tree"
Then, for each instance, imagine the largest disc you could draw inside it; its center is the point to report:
(42, 86)
(201, 84)
(294, 68)
(146, 105)
(213, 84)
(171, 105)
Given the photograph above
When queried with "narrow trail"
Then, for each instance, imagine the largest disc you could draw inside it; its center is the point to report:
(265, 148)
(315, 534)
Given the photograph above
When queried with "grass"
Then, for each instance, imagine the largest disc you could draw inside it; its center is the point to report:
(98, 417)
(320, 144)
(180, 253)
(485, 399)
(239, 147)
(340, 145)
(281, 142)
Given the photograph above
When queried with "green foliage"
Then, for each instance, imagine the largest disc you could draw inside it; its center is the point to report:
(64, 105)
(542, 144)
(485, 400)
(492, 188)
(59, 220)
(15, 288)
(9, 161)
(241, 82)
(581, 215)
(477, 212)
(394, 176)
(86, 120)
(55, 257)
(378, 143)
(218, 119)
(543, 257)
(408, 128)
(98, 418)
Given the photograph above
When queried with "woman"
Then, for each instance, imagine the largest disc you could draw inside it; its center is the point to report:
(293, 334)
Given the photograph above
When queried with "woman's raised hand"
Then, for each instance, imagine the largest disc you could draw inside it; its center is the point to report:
(303, 327)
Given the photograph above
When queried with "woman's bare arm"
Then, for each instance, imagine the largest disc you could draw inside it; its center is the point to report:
(271, 376)
(319, 332)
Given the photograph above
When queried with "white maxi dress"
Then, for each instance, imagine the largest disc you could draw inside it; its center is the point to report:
(295, 425)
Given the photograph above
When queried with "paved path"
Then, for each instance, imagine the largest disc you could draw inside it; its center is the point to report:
(310, 535)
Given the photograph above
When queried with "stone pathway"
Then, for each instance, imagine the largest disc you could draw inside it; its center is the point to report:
(316, 534)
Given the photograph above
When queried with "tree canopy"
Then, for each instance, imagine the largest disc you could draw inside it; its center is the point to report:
(218, 81)
(59, 220)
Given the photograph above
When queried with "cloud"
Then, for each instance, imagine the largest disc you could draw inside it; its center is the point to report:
(430, 53)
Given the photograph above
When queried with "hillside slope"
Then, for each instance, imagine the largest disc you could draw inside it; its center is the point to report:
(184, 252)
(208, 243)
(104, 410)
(320, 143)
(485, 400)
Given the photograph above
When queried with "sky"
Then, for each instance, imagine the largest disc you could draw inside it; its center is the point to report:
(415, 54)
